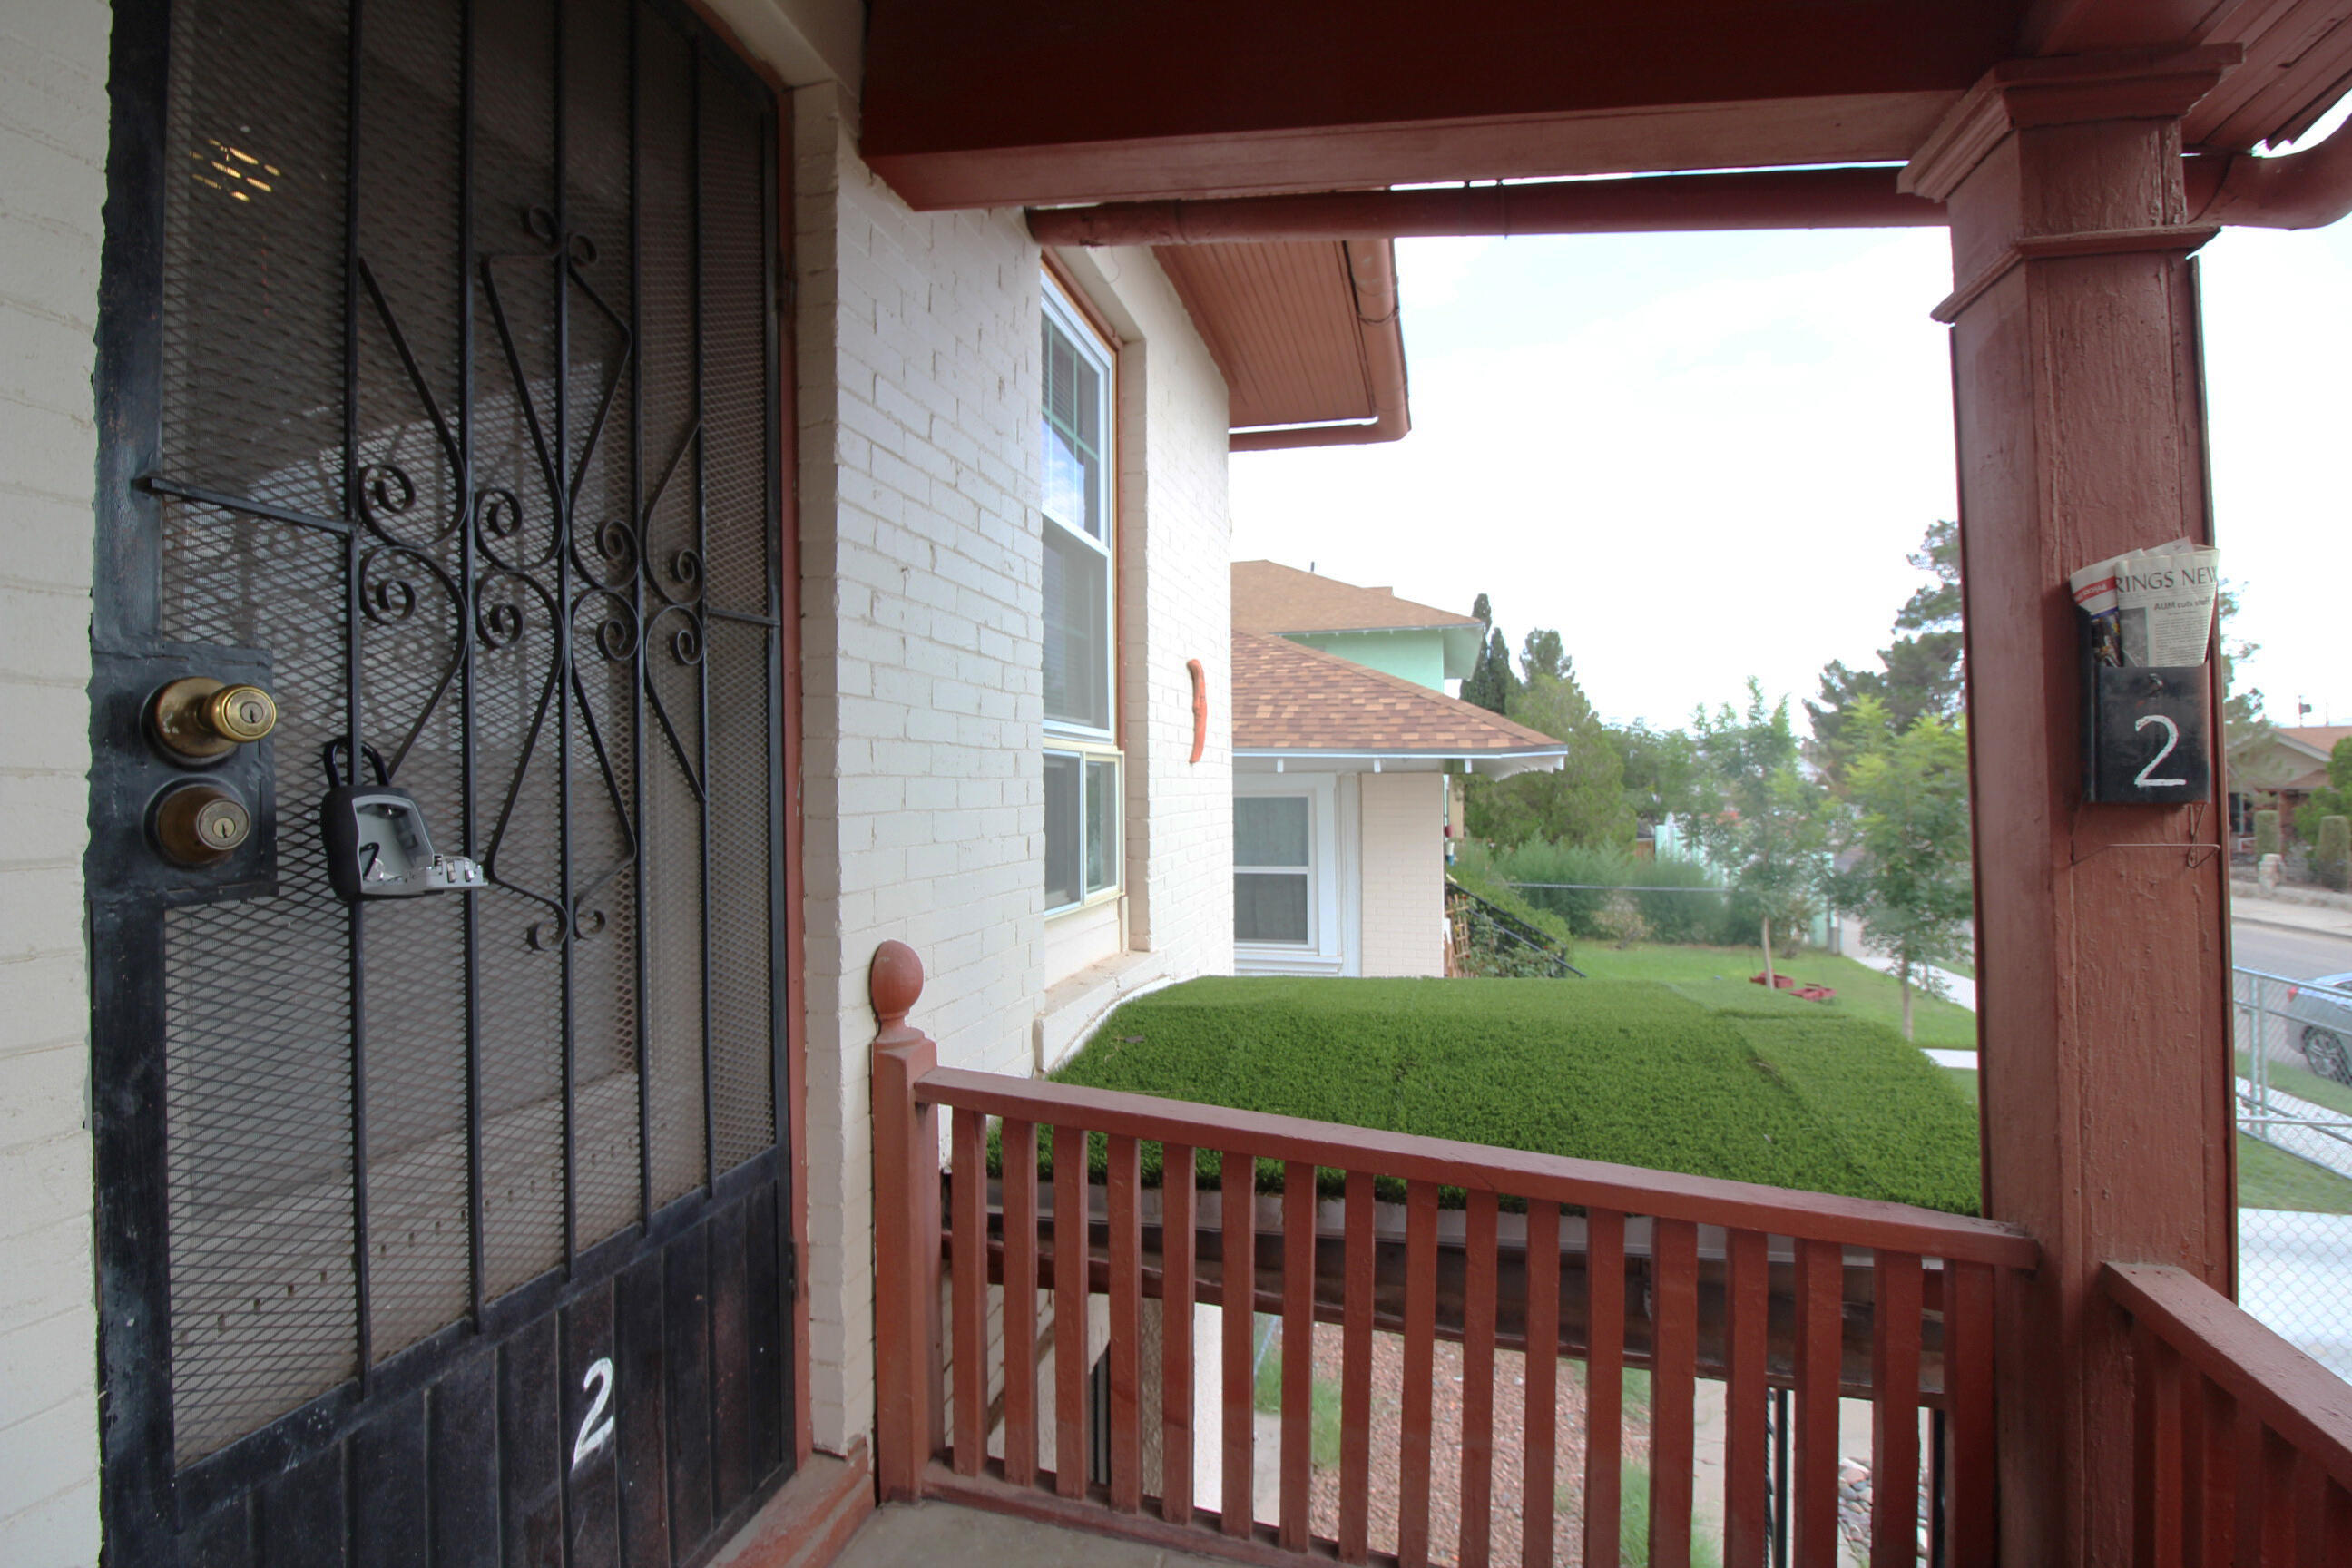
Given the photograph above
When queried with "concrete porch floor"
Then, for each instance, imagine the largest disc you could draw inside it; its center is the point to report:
(942, 1536)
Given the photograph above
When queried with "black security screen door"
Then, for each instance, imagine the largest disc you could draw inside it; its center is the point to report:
(440, 1025)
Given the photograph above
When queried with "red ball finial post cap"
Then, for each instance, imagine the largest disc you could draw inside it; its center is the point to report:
(895, 983)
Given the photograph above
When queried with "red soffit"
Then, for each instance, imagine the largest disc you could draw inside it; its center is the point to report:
(1285, 324)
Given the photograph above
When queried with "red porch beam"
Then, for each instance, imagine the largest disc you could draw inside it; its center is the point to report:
(1785, 198)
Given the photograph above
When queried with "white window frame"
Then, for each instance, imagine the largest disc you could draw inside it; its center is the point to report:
(1325, 925)
(1089, 744)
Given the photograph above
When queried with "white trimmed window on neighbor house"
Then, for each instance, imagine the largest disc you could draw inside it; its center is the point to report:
(1084, 801)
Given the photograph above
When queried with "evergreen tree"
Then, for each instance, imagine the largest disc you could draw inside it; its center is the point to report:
(1491, 682)
(1584, 801)
(1920, 672)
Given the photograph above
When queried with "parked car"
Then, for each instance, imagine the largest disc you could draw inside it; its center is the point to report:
(2326, 1019)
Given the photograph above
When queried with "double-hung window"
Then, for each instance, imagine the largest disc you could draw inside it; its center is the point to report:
(1083, 795)
(1273, 869)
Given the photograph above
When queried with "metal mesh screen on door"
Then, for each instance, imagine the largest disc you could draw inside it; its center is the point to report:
(469, 418)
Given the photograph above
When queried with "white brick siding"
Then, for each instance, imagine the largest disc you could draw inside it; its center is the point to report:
(1404, 873)
(922, 621)
(53, 133)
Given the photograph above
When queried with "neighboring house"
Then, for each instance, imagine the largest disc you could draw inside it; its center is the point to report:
(2281, 770)
(1371, 626)
(1342, 771)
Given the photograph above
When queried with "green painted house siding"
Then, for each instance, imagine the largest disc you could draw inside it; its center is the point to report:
(1417, 655)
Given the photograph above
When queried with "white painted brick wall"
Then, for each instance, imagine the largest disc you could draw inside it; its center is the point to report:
(922, 605)
(1404, 873)
(53, 133)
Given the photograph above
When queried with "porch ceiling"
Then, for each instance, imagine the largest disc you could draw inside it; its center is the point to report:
(1237, 97)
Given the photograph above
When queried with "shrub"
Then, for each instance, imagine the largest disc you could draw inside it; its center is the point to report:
(2266, 833)
(2331, 859)
(1626, 1071)
(1707, 914)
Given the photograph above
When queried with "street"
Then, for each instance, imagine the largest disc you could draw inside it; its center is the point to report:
(2296, 954)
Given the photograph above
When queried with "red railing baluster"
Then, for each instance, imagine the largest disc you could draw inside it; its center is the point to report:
(2194, 1447)
(1414, 1449)
(1821, 1270)
(1019, 1142)
(2310, 1509)
(1238, 1237)
(1176, 1252)
(1070, 1243)
(1746, 1325)
(1124, 1190)
(1356, 1374)
(1967, 1396)
(1475, 1548)
(2156, 1453)
(1538, 1508)
(2274, 1528)
(1604, 1382)
(969, 1185)
(2217, 1463)
(2337, 1545)
(1674, 1386)
(1297, 1348)
(1898, 1289)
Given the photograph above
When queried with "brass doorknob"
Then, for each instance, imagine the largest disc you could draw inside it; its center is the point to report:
(200, 719)
(201, 824)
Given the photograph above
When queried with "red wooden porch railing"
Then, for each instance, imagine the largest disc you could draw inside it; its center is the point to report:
(2245, 1443)
(1875, 1300)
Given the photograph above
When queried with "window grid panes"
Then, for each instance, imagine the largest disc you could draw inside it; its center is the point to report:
(1084, 799)
(1274, 838)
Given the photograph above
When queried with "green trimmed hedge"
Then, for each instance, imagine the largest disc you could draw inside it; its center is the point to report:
(1627, 1071)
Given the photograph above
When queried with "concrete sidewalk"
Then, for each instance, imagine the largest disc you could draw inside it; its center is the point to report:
(2254, 909)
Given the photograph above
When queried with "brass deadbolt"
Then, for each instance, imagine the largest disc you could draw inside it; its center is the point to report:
(200, 719)
(201, 824)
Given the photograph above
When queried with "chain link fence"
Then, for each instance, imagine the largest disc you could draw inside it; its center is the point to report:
(2294, 1042)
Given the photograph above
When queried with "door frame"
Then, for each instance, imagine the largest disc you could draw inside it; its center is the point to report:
(139, 1495)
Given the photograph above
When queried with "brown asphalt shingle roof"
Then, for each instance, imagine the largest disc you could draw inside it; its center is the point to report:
(1288, 698)
(1270, 597)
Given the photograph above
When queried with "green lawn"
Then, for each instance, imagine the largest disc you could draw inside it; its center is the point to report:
(2291, 1076)
(1724, 1080)
(2268, 1178)
(1718, 977)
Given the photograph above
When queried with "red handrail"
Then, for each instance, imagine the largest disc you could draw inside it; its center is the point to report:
(1479, 1167)
(2244, 1442)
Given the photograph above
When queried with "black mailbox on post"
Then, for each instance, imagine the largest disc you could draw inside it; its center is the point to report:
(2146, 734)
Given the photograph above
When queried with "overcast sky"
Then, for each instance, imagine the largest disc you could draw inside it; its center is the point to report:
(1704, 456)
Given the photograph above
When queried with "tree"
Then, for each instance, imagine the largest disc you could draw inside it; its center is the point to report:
(1544, 653)
(1920, 672)
(1661, 771)
(2244, 726)
(1584, 800)
(1490, 682)
(1907, 824)
(2331, 799)
(1761, 819)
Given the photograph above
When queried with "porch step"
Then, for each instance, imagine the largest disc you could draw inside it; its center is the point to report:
(933, 1534)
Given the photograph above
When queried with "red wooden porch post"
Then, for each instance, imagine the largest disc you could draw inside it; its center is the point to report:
(2103, 985)
(906, 1229)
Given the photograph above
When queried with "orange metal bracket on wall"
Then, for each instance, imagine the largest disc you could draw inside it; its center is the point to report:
(1200, 707)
